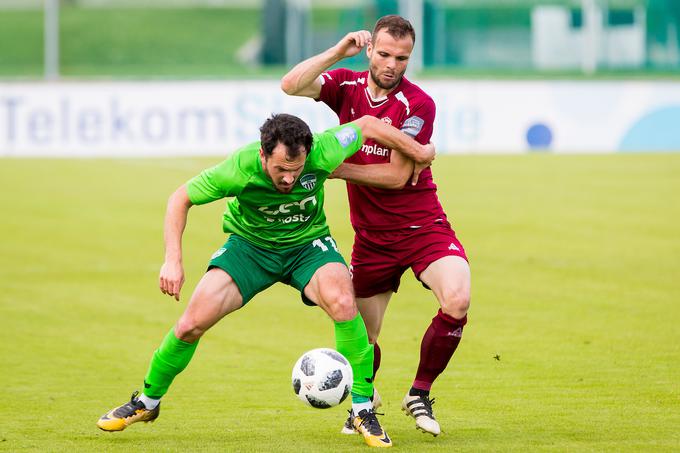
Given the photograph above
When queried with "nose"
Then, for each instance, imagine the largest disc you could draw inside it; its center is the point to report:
(288, 178)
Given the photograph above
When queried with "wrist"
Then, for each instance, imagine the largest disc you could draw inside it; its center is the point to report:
(173, 257)
(333, 55)
(425, 155)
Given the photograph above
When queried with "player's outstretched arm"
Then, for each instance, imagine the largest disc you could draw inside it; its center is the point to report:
(172, 272)
(303, 79)
(390, 136)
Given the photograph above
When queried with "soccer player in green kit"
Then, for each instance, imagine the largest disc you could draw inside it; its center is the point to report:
(278, 234)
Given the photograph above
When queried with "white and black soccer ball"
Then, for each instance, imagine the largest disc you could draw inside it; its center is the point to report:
(322, 378)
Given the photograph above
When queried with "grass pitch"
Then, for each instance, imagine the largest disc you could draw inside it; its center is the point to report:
(573, 340)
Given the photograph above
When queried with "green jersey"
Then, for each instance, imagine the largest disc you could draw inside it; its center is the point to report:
(261, 214)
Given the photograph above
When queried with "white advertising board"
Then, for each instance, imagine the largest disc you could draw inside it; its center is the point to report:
(62, 119)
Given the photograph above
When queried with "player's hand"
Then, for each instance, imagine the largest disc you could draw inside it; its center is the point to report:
(420, 166)
(171, 278)
(352, 43)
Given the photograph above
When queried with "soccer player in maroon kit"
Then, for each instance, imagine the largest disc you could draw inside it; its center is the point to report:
(397, 224)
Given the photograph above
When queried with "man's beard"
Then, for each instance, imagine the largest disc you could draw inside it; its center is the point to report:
(383, 86)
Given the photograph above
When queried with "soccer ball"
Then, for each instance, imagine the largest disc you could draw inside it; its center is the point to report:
(322, 378)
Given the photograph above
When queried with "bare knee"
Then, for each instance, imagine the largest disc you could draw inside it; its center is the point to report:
(341, 306)
(187, 329)
(455, 302)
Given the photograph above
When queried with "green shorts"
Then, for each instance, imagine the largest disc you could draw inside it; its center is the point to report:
(255, 269)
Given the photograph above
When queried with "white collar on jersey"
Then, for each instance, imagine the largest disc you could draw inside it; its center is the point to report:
(373, 102)
(399, 95)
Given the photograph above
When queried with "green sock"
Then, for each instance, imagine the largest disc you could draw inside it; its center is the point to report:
(168, 361)
(351, 340)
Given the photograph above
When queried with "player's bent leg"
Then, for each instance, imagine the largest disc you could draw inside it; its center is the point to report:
(372, 310)
(331, 288)
(449, 279)
(215, 296)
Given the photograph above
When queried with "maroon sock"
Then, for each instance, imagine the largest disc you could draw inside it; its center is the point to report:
(376, 359)
(439, 343)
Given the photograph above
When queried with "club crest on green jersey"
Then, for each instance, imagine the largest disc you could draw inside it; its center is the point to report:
(308, 181)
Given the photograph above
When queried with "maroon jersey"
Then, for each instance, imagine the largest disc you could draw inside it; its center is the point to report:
(408, 108)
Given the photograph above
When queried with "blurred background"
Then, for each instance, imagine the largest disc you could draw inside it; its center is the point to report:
(233, 38)
(507, 75)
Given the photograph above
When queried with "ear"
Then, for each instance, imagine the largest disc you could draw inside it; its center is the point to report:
(369, 49)
(263, 158)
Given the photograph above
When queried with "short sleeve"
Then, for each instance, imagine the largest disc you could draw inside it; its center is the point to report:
(226, 179)
(420, 122)
(333, 146)
(331, 91)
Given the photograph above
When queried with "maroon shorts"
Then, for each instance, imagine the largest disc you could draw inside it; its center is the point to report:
(379, 258)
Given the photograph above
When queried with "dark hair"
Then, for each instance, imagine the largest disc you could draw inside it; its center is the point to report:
(397, 27)
(288, 130)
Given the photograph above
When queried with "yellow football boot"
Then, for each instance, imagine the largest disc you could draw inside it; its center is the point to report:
(133, 411)
(367, 424)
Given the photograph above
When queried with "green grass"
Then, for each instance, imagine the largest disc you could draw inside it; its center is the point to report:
(575, 286)
(158, 40)
(137, 42)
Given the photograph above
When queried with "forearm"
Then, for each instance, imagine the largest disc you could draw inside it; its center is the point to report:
(301, 79)
(393, 175)
(373, 128)
(377, 175)
(175, 222)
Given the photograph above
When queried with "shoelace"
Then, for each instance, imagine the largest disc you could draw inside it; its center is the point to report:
(426, 402)
(348, 422)
(130, 408)
(371, 423)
